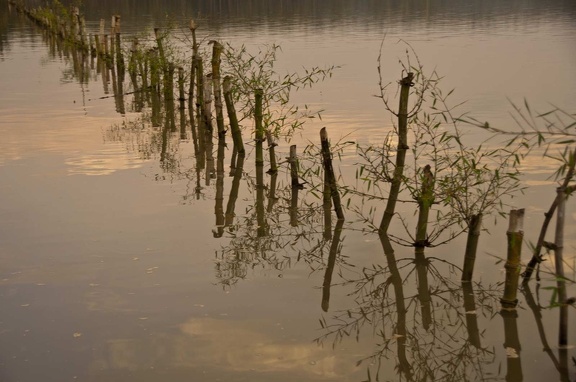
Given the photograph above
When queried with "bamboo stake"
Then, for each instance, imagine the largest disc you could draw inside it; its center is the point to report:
(329, 173)
(234, 126)
(474, 226)
(405, 85)
(515, 235)
(216, 82)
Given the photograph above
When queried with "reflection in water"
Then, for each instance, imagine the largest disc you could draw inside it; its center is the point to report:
(512, 345)
(439, 352)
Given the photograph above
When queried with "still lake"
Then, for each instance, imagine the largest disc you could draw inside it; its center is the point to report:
(115, 267)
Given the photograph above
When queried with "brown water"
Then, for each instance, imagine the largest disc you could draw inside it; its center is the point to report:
(110, 268)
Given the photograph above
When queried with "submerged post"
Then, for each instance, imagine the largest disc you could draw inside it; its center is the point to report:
(515, 235)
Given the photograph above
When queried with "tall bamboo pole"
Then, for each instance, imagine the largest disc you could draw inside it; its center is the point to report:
(405, 85)
(216, 82)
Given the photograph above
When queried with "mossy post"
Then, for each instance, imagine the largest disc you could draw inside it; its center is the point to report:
(329, 173)
(425, 201)
(232, 117)
(515, 235)
(474, 226)
(405, 85)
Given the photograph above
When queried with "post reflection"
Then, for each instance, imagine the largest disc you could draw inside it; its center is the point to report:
(414, 314)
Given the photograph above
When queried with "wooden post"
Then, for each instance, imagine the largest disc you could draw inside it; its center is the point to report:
(329, 171)
(515, 235)
(234, 126)
(405, 85)
(474, 225)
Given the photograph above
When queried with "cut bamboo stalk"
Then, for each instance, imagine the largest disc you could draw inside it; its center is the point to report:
(405, 85)
(515, 235)
(329, 171)
(474, 226)
(234, 126)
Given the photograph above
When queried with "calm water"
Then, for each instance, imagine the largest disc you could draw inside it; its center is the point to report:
(111, 262)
